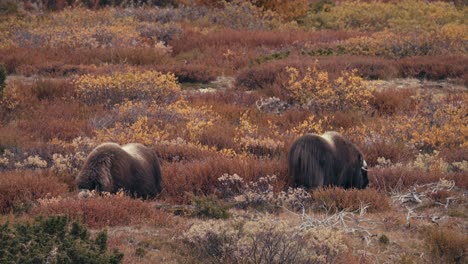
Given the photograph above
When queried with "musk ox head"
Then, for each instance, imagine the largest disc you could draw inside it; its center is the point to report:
(132, 167)
(327, 160)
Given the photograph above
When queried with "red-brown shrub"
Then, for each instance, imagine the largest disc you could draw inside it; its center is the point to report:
(397, 178)
(368, 67)
(191, 72)
(337, 199)
(99, 212)
(229, 38)
(20, 189)
(201, 177)
(178, 152)
(434, 67)
(52, 88)
(58, 119)
(391, 101)
(394, 151)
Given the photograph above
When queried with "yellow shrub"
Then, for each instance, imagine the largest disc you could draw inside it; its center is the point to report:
(132, 85)
(316, 91)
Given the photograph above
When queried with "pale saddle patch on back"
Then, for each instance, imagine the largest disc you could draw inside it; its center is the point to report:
(132, 149)
(329, 138)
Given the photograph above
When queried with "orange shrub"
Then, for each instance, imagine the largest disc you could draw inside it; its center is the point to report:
(391, 101)
(396, 178)
(201, 177)
(20, 189)
(102, 211)
(337, 199)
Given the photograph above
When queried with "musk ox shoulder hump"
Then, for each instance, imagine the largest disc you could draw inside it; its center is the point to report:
(134, 150)
(329, 138)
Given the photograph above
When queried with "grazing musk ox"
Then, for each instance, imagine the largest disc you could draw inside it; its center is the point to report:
(327, 160)
(132, 167)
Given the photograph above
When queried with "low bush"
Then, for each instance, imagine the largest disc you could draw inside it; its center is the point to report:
(398, 178)
(391, 101)
(201, 177)
(337, 199)
(209, 207)
(20, 190)
(54, 240)
(191, 73)
(101, 211)
(115, 88)
(262, 241)
(433, 67)
(445, 245)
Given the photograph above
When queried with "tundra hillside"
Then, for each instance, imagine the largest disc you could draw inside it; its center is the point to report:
(220, 90)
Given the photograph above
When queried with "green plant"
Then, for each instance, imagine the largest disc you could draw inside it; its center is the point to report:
(209, 207)
(383, 239)
(54, 240)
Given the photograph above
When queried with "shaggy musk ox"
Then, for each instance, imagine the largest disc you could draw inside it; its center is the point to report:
(132, 167)
(325, 160)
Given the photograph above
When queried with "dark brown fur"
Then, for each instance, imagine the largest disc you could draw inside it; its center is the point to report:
(132, 167)
(314, 162)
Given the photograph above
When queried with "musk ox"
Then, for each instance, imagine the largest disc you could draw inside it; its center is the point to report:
(132, 167)
(327, 160)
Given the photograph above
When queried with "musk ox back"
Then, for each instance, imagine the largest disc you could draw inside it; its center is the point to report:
(132, 167)
(327, 160)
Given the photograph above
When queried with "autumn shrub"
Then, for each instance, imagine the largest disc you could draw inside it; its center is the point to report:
(251, 39)
(19, 190)
(375, 16)
(192, 73)
(52, 89)
(262, 241)
(54, 240)
(394, 151)
(201, 176)
(316, 91)
(445, 245)
(57, 119)
(398, 178)
(367, 67)
(138, 56)
(288, 10)
(447, 40)
(113, 89)
(337, 199)
(264, 76)
(433, 67)
(101, 211)
(391, 101)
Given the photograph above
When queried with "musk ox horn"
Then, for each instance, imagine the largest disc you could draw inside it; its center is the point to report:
(364, 166)
(132, 167)
(327, 160)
